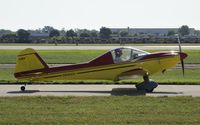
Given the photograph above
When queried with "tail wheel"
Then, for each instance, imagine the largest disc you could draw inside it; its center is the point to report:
(23, 88)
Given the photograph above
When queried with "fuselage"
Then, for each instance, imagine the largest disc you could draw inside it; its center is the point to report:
(105, 68)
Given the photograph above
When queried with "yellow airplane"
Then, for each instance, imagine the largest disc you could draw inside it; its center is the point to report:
(117, 64)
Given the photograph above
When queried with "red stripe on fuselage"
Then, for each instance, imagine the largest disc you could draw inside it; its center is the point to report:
(105, 59)
(157, 55)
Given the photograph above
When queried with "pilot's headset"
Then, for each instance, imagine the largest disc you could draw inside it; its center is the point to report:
(118, 52)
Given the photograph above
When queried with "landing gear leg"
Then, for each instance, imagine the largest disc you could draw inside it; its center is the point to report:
(147, 85)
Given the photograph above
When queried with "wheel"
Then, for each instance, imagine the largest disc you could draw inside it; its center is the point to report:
(23, 88)
(149, 90)
(148, 87)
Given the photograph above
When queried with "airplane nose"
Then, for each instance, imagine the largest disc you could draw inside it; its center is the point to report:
(183, 55)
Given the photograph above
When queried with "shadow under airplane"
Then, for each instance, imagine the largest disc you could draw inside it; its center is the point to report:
(114, 92)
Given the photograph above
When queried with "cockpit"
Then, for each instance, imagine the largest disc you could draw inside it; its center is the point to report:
(126, 54)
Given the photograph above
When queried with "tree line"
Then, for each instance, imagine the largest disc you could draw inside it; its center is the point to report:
(104, 35)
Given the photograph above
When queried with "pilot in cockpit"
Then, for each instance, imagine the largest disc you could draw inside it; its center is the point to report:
(118, 54)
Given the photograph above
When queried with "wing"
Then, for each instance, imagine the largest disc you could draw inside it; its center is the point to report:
(132, 73)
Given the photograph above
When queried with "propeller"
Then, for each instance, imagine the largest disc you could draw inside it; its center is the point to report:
(180, 52)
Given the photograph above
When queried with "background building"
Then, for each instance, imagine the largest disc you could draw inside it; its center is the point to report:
(155, 31)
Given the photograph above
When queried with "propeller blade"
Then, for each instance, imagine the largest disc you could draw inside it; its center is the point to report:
(183, 68)
(180, 51)
(179, 44)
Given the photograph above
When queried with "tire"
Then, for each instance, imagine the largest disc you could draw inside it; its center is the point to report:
(22, 88)
(149, 90)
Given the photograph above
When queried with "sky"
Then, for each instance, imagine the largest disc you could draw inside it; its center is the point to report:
(93, 14)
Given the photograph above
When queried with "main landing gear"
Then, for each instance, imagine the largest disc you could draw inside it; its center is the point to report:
(147, 85)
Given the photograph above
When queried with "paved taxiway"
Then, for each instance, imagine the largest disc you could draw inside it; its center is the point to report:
(97, 90)
(97, 47)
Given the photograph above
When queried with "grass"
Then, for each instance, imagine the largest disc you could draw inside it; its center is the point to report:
(76, 56)
(109, 44)
(57, 56)
(6, 74)
(175, 76)
(171, 76)
(118, 110)
(193, 56)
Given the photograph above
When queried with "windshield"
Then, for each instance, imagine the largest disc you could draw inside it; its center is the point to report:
(126, 54)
